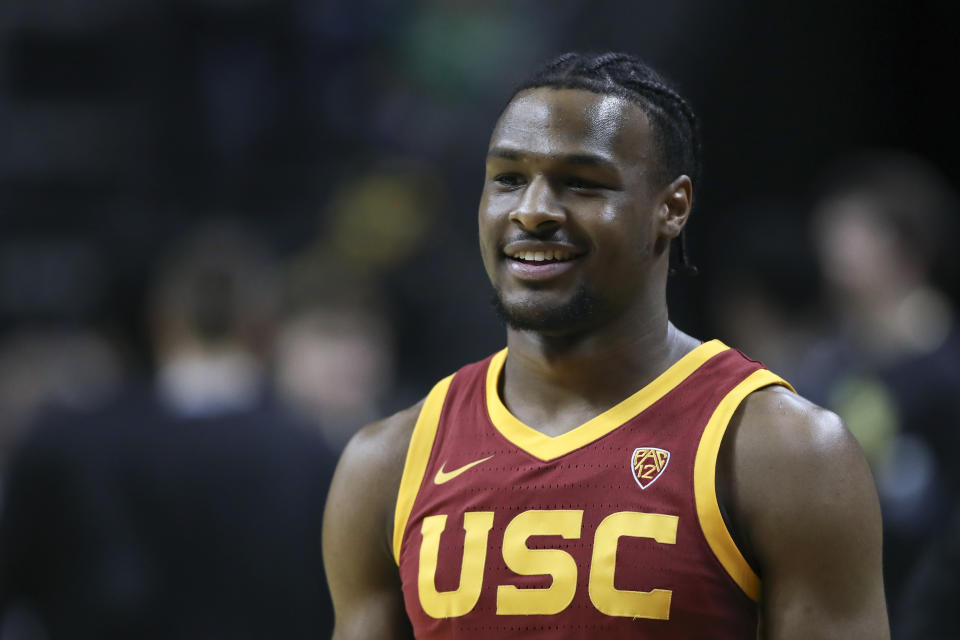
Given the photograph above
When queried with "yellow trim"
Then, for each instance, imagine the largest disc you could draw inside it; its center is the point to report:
(418, 454)
(547, 448)
(705, 482)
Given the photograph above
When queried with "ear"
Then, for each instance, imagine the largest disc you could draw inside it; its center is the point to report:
(674, 209)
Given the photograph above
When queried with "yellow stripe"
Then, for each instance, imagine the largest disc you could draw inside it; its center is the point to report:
(548, 448)
(418, 453)
(704, 482)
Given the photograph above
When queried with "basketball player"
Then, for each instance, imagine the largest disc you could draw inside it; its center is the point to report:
(606, 475)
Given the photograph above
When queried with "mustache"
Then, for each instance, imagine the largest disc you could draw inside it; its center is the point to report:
(553, 235)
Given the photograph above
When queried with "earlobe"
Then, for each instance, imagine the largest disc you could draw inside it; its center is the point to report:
(675, 207)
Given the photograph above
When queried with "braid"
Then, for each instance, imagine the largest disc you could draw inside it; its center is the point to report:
(605, 59)
(675, 127)
(680, 261)
(560, 61)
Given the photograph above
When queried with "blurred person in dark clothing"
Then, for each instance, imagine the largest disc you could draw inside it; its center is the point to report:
(334, 367)
(928, 609)
(762, 295)
(43, 367)
(188, 510)
(889, 363)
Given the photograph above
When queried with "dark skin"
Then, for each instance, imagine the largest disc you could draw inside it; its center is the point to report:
(569, 171)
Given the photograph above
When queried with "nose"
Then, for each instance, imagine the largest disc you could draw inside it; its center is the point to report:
(538, 209)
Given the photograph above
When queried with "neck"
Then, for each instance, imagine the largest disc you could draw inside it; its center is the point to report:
(557, 383)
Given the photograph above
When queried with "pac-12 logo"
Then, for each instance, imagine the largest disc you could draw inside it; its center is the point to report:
(647, 464)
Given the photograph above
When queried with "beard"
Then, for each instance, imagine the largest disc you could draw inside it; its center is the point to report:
(571, 316)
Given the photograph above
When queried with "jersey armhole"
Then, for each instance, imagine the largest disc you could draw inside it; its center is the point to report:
(418, 454)
(704, 482)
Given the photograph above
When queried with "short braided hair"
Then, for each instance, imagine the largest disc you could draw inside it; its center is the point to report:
(675, 127)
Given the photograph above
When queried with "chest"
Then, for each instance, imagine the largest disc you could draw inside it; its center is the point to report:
(611, 528)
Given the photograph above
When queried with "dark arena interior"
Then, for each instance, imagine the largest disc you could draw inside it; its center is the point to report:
(247, 211)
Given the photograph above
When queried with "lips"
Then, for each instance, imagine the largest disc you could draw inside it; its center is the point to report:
(540, 261)
(546, 255)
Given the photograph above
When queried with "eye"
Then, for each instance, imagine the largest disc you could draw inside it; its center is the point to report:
(509, 180)
(582, 184)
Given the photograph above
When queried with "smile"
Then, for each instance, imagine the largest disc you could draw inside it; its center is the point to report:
(530, 262)
(549, 255)
(537, 252)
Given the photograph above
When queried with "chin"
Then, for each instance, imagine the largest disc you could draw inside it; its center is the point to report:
(574, 314)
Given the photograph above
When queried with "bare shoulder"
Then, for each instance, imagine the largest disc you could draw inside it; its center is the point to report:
(804, 500)
(383, 443)
(357, 528)
(787, 456)
(776, 426)
(371, 466)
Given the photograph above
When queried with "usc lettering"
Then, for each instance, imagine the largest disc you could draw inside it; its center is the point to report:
(539, 562)
(556, 563)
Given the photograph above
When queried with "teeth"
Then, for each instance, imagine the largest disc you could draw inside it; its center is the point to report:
(541, 256)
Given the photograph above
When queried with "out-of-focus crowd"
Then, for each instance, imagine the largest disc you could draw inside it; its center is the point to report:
(875, 338)
(235, 231)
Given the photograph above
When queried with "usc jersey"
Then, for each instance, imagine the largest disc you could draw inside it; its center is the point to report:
(612, 530)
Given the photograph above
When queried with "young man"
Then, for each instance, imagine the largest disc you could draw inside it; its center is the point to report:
(607, 473)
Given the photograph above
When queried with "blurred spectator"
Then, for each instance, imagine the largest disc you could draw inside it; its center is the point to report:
(890, 363)
(212, 313)
(386, 246)
(372, 224)
(762, 293)
(190, 510)
(928, 609)
(334, 367)
(45, 368)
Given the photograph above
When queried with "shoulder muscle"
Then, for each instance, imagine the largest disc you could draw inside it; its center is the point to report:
(803, 493)
(357, 529)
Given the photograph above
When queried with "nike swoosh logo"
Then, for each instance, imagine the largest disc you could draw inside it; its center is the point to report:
(446, 476)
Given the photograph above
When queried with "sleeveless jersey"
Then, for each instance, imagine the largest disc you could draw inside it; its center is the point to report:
(612, 530)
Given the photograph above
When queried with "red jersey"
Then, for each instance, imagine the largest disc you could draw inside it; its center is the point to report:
(610, 531)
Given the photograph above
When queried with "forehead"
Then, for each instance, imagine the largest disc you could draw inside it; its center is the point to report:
(546, 121)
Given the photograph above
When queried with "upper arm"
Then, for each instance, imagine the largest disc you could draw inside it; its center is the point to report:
(805, 497)
(363, 577)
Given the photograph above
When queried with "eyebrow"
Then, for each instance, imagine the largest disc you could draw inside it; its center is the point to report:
(584, 159)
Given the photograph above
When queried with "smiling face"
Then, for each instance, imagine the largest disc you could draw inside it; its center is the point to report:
(572, 231)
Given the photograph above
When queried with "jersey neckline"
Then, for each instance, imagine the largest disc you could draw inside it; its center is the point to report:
(546, 447)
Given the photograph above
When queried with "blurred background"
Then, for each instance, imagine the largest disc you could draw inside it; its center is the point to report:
(227, 205)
